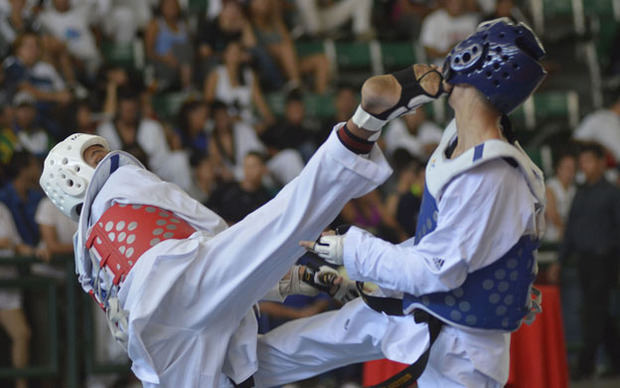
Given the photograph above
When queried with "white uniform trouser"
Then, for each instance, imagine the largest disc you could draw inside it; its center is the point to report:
(306, 347)
(188, 298)
(320, 20)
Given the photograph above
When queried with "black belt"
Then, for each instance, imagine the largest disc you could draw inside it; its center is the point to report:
(394, 306)
(247, 383)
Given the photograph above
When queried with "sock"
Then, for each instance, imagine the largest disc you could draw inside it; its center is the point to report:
(353, 142)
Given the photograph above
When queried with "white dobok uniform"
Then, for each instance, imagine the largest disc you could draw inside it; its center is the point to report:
(189, 301)
(484, 207)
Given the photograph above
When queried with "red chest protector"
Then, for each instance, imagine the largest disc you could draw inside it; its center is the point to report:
(125, 232)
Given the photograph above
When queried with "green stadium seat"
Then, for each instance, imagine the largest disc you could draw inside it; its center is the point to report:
(118, 54)
(353, 55)
(276, 102)
(397, 55)
(168, 105)
(558, 105)
(557, 8)
(607, 29)
(557, 19)
(197, 5)
(319, 105)
(602, 8)
(309, 47)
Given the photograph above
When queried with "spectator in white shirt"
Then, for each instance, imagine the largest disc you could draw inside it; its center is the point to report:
(414, 133)
(71, 24)
(445, 27)
(145, 139)
(603, 126)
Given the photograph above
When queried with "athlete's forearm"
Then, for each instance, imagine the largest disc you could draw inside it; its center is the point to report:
(399, 267)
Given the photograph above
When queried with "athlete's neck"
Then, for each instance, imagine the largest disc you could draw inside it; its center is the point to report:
(476, 122)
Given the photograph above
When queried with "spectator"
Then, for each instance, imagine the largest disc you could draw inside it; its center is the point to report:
(12, 317)
(121, 19)
(83, 121)
(168, 46)
(192, 128)
(231, 141)
(55, 228)
(603, 126)
(406, 16)
(145, 139)
(24, 70)
(560, 193)
(445, 27)
(272, 34)
(8, 140)
(204, 182)
(345, 103)
(230, 25)
(319, 20)
(404, 203)
(235, 84)
(71, 24)
(22, 195)
(111, 79)
(290, 132)
(414, 133)
(504, 9)
(30, 137)
(591, 235)
(235, 200)
(370, 213)
(15, 22)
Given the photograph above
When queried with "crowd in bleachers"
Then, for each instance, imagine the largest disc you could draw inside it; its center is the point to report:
(229, 98)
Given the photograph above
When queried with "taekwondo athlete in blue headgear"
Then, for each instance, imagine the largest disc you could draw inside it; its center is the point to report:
(466, 276)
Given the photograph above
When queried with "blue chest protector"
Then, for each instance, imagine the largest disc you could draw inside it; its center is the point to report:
(498, 296)
(494, 297)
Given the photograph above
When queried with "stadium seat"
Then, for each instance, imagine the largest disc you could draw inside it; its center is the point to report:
(118, 54)
(353, 55)
(309, 47)
(167, 105)
(602, 8)
(397, 55)
(551, 18)
(276, 101)
(562, 105)
(317, 105)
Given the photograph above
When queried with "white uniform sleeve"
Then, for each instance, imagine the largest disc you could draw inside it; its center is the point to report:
(44, 214)
(481, 215)
(7, 225)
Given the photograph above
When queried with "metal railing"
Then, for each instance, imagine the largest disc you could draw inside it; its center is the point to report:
(77, 340)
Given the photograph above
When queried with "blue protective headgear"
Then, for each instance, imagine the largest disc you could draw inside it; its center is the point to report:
(500, 59)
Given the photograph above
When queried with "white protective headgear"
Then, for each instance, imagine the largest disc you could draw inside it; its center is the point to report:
(66, 174)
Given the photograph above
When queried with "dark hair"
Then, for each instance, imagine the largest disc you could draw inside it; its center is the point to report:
(127, 93)
(20, 161)
(217, 105)
(295, 95)
(260, 155)
(20, 39)
(594, 148)
(187, 107)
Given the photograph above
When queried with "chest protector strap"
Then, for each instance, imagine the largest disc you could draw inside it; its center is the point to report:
(125, 232)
